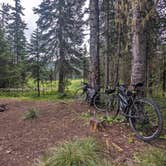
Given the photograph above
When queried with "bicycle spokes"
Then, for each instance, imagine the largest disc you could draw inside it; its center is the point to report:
(145, 119)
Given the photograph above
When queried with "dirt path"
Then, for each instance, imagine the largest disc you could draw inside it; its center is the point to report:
(23, 141)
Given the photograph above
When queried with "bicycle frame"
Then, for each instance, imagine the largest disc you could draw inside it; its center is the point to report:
(124, 102)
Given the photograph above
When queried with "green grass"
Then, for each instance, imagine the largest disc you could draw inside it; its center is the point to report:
(50, 94)
(162, 104)
(84, 152)
(31, 114)
(151, 157)
(110, 119)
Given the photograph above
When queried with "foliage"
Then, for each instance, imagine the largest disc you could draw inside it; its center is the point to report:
(4, 61)
(31, 114)
(151, 157)
(16, 35)
(162, 103)
(13, 60)
(85, 116)
(61, 26)
(77, 153)
(110, 119)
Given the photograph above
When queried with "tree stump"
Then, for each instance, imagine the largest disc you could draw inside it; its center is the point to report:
(97, 125)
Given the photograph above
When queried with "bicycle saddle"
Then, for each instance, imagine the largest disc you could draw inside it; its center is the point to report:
(109, 91)
(138, 85)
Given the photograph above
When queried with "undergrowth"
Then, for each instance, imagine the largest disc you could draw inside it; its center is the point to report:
(151, 157)
(75, 153)
(31, 114)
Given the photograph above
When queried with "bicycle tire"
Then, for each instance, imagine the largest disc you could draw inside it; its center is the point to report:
(143, 120)
(80, 95)
(100, 102)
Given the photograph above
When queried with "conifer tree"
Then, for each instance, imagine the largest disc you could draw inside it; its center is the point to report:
(16, 35)
(61, 24)
(35, 58)
(4, 15)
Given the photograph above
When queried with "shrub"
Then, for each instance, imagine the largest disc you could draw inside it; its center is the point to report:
(31, 114)
(78, 153)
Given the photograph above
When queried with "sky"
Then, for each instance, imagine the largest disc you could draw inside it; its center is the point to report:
(29, 17)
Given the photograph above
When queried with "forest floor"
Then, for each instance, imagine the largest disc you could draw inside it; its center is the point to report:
(24, 141)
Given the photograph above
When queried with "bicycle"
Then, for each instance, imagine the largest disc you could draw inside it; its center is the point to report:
(143, 114)
(86, 93)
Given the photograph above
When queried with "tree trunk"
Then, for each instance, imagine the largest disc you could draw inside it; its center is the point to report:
(117, 60)
(107, 37)
(94, 44)
(61, 86)
(38, 76)
(38, 65)
(138, 45)
(164, 75)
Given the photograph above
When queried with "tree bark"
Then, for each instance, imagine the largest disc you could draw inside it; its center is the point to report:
(138, 45)
(61, 86)
(38, 75)
(94, 44)
(107, 37)
(38, 65)
(164, 75)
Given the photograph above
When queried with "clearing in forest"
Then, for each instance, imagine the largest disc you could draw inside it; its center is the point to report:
(23, 141)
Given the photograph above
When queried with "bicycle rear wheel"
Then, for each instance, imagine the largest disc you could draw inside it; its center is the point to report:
(145, 119)
(80, 95)
(101, 102)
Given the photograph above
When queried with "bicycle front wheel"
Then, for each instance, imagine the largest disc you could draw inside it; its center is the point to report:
(145, 119)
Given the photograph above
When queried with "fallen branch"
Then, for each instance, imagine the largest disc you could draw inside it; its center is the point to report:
(117, 147)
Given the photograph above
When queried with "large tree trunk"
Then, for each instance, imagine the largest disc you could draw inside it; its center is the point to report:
(138, 45)
(61, 86)
(164, 75)
(107, 37)
(94, 44)
(117, 59)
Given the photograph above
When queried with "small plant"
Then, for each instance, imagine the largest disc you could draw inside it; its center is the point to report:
(151, 157)
(85, 116)
(78, 153)
(62, 95)
(31, 114)
(110, 119)
(163, 136)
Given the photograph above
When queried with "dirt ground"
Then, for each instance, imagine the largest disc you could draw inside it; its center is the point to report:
(24, 141)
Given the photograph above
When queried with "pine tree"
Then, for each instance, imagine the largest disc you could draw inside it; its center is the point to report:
(35, 58)
(61, 23)
(16, 35)
(8, 72)
(4, 18)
